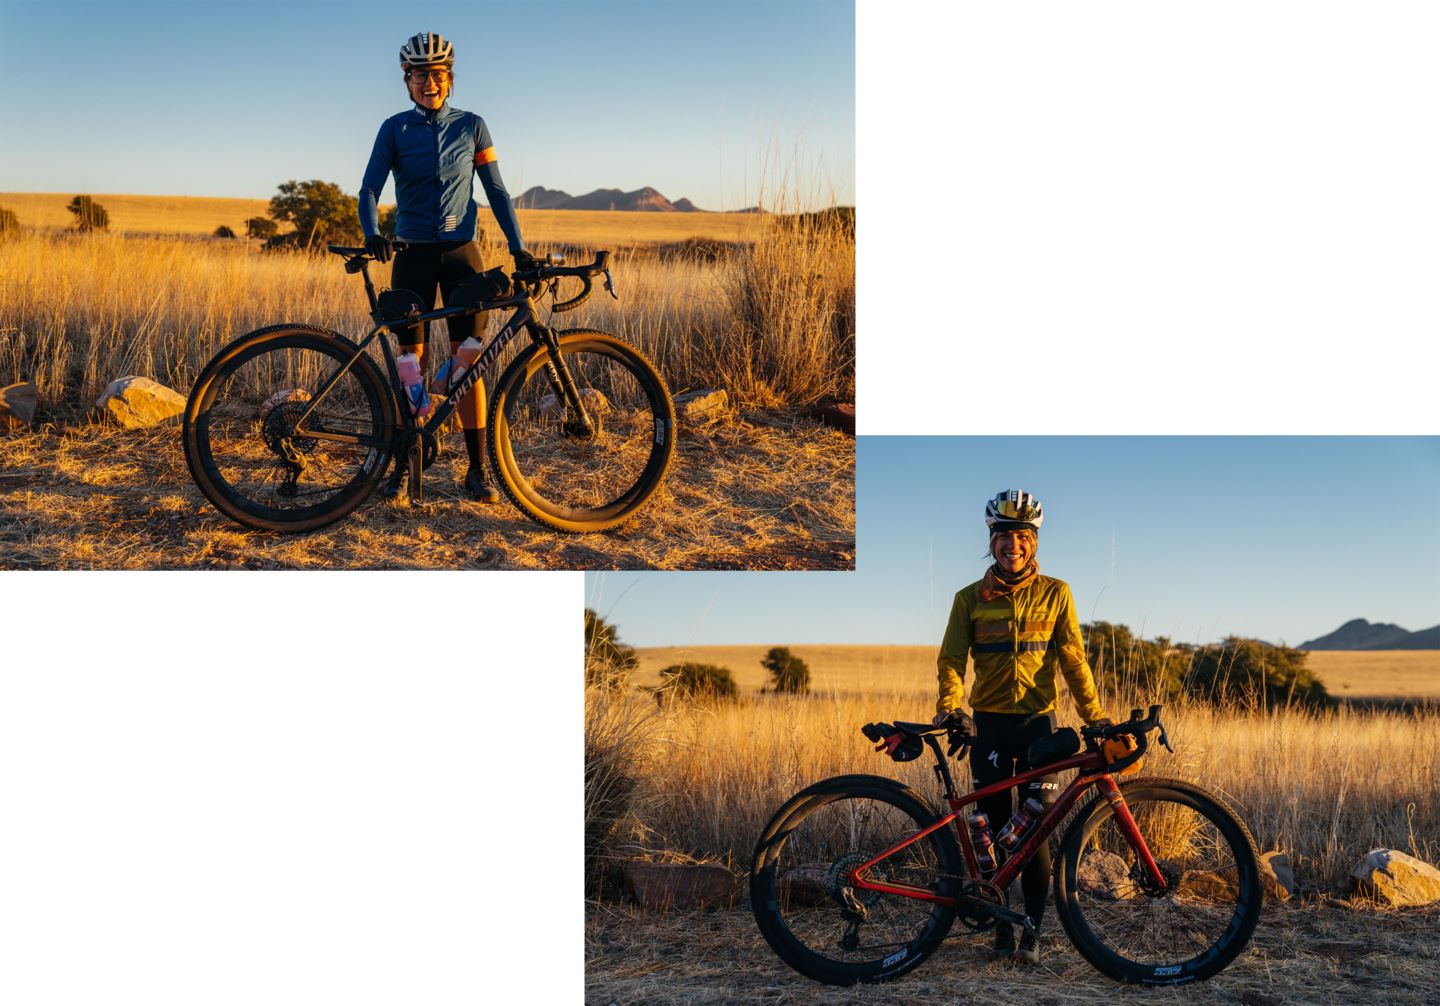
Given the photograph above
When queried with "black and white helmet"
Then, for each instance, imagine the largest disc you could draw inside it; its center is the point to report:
(1014, 510)
(427, 49)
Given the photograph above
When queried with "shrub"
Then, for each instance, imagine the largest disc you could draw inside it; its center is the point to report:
(697, 683)
(320, 211)
(608, 661)
(89, 215)
(9, 223)
(1256, 675)
(1128, 665)
(788, 673)
(224, 232)
(617, 736)
(260, 227)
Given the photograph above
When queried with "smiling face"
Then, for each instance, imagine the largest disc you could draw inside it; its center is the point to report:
(1013, 550)
(429, 87)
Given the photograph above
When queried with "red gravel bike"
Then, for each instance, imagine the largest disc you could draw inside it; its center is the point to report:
(858, 878)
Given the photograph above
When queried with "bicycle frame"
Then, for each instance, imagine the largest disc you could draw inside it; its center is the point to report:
(525, 316)
(1092, 772)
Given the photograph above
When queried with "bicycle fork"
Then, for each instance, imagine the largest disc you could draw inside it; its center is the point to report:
(1152, 881)
(567, 393)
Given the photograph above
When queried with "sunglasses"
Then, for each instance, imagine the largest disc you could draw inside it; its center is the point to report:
(420, 76)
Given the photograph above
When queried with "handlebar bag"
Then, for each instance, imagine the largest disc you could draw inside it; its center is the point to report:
(1121, 747)
(492, 284)
(1053, 747)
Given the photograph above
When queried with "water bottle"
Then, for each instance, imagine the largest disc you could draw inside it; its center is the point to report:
(414, 384)
(984, 847)
(1014, 831)
(465, 356)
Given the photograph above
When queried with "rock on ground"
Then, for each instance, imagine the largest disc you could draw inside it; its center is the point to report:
(1395, 879)
(18, 403)
(594, 401)
(840, 415)
(678, 885)
(135, 402)
(701, 406)
(1104, 875)
(806, 885)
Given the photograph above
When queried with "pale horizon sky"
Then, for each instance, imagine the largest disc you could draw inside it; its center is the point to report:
(1194, 538)
(225, 100)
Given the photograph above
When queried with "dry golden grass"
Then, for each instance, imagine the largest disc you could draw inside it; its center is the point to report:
(1301, 953)
(772, 322)
(1379, 675)
(185, 215)
(1374, 675)
(763, 492)
(198, 216)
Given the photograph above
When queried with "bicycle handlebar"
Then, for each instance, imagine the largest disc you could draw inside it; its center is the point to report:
(552, 266)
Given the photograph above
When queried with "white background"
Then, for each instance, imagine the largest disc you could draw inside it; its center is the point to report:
(1116, 218)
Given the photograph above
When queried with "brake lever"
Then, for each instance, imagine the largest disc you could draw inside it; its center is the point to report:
(610, 285)
(1164, 740)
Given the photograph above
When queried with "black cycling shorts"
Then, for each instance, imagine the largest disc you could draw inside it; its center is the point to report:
(422, 267)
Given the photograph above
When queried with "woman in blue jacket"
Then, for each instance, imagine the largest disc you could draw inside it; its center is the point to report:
(435, 152)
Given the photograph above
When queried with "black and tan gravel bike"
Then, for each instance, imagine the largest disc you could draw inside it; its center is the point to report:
(291, 427)
(859, 878)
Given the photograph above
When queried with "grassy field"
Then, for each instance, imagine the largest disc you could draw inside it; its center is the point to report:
(698, 783)
(771, 321)
(1362, 675)
(198, 216)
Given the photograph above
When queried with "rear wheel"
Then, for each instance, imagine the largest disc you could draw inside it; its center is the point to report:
(558, 471)
(1187, 930)
(242, 442)
(800, 886)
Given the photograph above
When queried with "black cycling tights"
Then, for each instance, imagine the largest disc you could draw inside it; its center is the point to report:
(998, 752)
(421, 268)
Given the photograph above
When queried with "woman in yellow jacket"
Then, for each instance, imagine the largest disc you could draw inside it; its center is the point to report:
(1019, 627)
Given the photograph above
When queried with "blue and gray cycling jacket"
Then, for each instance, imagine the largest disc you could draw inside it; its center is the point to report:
(435, 155)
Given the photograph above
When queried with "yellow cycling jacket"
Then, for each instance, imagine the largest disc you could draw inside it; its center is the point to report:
(1017, 642)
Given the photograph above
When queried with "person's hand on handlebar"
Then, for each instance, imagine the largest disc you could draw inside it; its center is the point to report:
(378, 246)
(524, 261)
(955, 720)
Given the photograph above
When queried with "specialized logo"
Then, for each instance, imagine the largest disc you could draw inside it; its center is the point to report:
(995, 758)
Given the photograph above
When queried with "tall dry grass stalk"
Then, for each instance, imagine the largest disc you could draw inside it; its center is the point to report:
(772, 321)
(1326, 787)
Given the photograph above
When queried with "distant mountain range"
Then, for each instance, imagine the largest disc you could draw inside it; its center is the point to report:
(1358, 634)
(646, 200)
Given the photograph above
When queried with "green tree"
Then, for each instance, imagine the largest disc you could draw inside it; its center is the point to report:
(9, 223)
(788, 673)
(1128, 665)
(320, 211)
(608, 661)
(697, 683)
(1256, 674)
(89, 215)
(260, 227)
(224, 232)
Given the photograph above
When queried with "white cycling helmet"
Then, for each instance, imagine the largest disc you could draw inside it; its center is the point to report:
(1014, 510)
(427, 49)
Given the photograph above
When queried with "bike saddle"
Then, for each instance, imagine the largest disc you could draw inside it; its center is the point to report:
(914, 728)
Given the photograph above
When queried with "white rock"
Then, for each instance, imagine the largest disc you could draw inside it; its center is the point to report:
(136, 402)
(17, 404)
(1395, 878)
(595, 402)
(702, 405)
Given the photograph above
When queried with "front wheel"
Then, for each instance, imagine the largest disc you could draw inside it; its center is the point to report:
(801, 890)
(561, 471)
(265, 451)
(1185, 930)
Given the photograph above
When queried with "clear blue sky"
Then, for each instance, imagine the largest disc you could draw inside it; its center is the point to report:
(1194, 538)
(230, 99)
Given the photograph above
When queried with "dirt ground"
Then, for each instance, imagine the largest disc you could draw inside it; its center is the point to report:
(755, 491)
(1314, 952)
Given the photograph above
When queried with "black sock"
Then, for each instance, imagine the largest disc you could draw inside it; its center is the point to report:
(475, 447)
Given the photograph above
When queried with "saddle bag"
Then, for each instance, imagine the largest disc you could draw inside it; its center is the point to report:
(481, 288)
